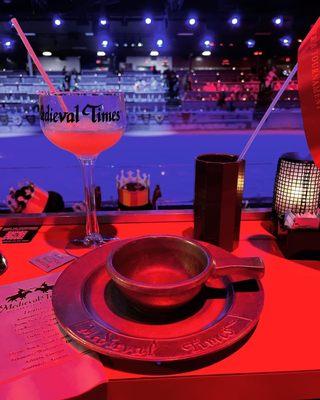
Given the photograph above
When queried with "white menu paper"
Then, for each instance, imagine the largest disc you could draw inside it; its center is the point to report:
(38, 360)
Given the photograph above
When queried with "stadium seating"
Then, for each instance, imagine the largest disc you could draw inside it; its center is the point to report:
(147, 98)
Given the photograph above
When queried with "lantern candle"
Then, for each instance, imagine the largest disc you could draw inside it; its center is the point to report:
(297, 186)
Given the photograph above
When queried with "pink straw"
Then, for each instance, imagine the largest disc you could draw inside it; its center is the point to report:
(36, 60)
(267, 113)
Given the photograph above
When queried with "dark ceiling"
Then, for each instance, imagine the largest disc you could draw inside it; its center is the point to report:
(73, 8)
(80, 33)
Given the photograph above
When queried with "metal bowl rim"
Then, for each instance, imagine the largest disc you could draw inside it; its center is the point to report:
(173, 288)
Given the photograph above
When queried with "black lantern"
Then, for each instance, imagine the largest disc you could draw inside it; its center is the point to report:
(297, 185)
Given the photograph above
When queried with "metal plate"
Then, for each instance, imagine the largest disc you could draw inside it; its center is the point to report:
(92, 311)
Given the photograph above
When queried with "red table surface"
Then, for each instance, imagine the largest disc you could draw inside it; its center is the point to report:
(280, 361)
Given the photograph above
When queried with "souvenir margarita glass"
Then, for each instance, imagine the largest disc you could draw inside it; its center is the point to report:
(85, 124)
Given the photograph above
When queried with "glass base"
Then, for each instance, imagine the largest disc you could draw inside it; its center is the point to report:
(92, 240)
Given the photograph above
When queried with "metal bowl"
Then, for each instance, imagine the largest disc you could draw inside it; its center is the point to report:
(160, 272)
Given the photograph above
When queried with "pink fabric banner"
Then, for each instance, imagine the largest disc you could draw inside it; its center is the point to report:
(309, 88)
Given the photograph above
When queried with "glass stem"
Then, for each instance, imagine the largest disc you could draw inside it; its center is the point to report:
(92, 226)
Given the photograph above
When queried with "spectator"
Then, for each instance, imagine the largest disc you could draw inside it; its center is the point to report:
(271, 78)
(67, 81)
(154, 69)
(221, 103)
(75, 79)
(172, 82)
(188, 83)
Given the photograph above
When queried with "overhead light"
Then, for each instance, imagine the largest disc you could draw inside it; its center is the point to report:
(235, 20)
(116, 44)
(192, 21)
(7, 44)
(286, 41)
(206, 53)
(250, 43)
(103, 21)
(57, 21)
(159, 42)
(47, 53)
(278, 21)
(140, 44)
(209, 43)
(101, 53)
(104, 43)
(125, 44)
(89, 34)
(133, 45)
(154, 53)
(148, 20)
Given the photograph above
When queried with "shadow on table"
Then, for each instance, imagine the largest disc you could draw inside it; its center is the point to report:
(269, 245)
(97, 393)
(171, 368)
(60, 236)
(266, 244)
